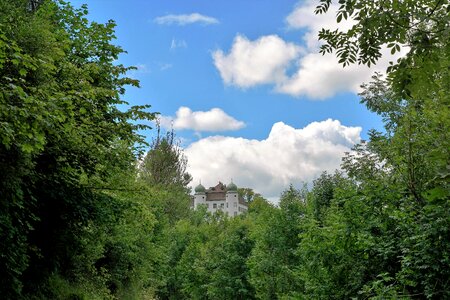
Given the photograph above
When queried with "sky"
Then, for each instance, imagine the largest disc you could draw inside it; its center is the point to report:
(243, 85)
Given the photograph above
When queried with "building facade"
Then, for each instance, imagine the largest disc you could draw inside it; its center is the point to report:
(220, 197)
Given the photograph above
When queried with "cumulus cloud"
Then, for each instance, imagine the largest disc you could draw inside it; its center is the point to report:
(185, 19)
(303, 17)
(213, 120)
(268, 59)
(287, 155)
(251, 63)
(321, 76)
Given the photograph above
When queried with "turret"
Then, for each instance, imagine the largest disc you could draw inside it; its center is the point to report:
(232, 199)
(199, 196)
(200, 189)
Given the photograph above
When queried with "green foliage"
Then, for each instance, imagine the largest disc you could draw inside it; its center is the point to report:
(82, 216)
(420, 25)
(273, 262)
(61, 135)
(248, 194)
(165, 163)
(227, 256)
(163, 173)
(323, 192)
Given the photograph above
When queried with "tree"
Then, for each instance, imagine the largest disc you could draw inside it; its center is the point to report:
(62, 136)
(227, 256)
(165, 163)
(323, 192)
(420, 25)
(248, 194)
(273, 260)
(163, 171)
(400, 175)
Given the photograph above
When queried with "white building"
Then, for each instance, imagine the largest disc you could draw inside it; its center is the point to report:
(220, 197)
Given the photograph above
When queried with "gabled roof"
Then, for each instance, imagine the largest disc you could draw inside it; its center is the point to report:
(220, 187)
(219, 193)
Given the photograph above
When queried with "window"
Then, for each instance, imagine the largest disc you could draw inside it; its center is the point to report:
(235, 213)
(215, 205)
(207, 205)
(221, 205)
(235, 204)
(227, 204)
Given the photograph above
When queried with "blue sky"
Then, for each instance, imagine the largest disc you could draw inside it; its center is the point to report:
(247, 83)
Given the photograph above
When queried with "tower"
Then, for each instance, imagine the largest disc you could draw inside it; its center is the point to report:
(232, 200)
(199, 196)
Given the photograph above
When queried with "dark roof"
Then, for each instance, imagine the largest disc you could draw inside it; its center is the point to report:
(219, 192)
(218, 188)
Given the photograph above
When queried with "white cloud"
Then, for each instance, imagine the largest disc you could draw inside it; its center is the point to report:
(303, 17)
(140, 69)
(212, 120)
(267, 59)
(177, 44)
(185, 19)
(288, 155)
(251, 63)
(321, 76)
(165, 66)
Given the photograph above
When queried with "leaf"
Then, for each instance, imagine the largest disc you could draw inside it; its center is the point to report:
(27, 148)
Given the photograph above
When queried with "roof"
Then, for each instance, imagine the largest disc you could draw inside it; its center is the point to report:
(199, 188)
(219, 192)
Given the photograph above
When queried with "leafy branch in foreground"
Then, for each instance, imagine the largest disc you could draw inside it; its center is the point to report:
(419, 25)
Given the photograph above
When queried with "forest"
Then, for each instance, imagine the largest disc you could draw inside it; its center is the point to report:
(89, 210)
